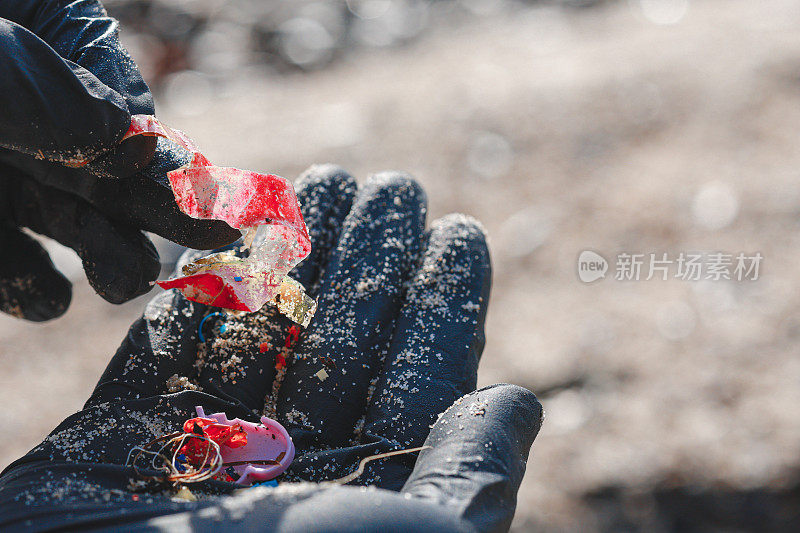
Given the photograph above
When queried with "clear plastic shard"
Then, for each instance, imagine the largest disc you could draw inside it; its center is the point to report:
(264, 208)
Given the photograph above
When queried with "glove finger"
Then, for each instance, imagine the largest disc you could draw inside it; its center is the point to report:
(120, 262)
(325, 193)
(145, 203)
(239, 361)
(113, 65)
(69, 112)
(144, 200)
(432, 359)
(30, 286)
(479, 448)
(359, 297)
(130, 156)
(439, 337)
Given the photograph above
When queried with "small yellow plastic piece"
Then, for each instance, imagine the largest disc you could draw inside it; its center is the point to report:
(185, 494)
(293, 302)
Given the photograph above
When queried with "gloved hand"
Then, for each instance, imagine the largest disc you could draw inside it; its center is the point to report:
(68, 90)
(399, 330)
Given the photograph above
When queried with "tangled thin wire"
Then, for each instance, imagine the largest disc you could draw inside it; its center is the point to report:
(165, 458)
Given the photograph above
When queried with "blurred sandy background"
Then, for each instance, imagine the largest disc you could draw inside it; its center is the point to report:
(641, 126)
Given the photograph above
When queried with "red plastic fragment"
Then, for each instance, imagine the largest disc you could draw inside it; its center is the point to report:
(294, 334)
(243, 199)
(206, 289)
(195, 450)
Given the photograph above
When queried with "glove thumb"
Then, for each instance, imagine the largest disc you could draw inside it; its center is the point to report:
(477, 456)
(30, 286)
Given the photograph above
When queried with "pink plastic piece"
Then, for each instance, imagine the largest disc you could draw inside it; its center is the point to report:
(266, 440)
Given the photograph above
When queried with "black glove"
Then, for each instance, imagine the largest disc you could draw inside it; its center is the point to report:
(399, 330)
(68, 90)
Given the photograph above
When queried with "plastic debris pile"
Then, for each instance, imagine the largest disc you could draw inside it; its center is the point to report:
(213, 447)
(263, 207)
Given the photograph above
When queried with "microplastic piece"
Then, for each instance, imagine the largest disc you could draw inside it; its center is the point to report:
(200, 327)
(268, 453)
(271, 483)
(293, 302)
(322, 375)
(185, 494)
(245, 284)
(263, 207)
